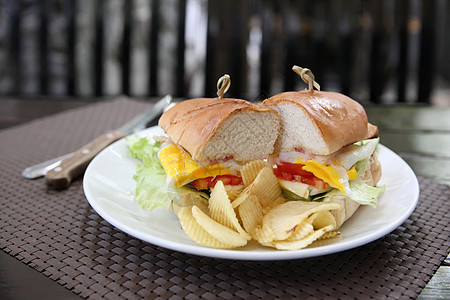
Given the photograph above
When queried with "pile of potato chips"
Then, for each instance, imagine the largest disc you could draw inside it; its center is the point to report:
(257, 211)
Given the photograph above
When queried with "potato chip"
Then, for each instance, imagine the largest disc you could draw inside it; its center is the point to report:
(188, 200)
(263, 234)
(241, 197)
(327, 238)
(266, 187)
(316, 221)
(329, 235)
(222, 233)
(301, 231)
(322, 219)
(273, 203)
(284, 218)
(250, 212)
(220, 209)
(281, 222)
(311, 219)
(196, 232)
(233, 191)
(251, 170)
(296, 245)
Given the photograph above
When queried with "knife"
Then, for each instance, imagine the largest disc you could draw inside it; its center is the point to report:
(61, 171)
(42, 168)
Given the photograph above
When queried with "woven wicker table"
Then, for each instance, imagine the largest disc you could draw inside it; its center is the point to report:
(58, 234)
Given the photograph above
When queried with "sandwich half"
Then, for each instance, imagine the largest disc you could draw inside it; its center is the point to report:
(326, 150)
(207, 140)
(211, 139)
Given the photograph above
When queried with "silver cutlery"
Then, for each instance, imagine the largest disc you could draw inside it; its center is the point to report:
(59, 172)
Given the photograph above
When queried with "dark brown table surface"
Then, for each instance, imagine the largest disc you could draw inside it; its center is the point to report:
(419, 134)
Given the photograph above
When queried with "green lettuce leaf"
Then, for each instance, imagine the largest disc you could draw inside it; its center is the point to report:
(141, 147)
(365, 194)
(360, 191)
(151, 188)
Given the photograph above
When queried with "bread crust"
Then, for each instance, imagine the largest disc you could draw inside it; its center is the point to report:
(191, 124)
(339, 120)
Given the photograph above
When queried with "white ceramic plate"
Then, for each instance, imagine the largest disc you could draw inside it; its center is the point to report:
(109, 188)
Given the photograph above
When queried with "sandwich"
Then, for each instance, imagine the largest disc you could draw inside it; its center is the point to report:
(285, 172)
(211, 139)
(326, 150)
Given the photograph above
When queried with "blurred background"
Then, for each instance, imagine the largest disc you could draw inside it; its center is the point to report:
(376, 51)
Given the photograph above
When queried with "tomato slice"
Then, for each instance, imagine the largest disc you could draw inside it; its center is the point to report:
(294, 172)
(210, 182)
(202, 183)
(294, 169)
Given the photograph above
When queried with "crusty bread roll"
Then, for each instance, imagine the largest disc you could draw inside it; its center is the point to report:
(348, 206)
(212, 128)
(322, 123)
(319, 122)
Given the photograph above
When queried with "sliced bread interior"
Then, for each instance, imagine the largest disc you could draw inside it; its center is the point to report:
(318, 122)
(214, 129)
